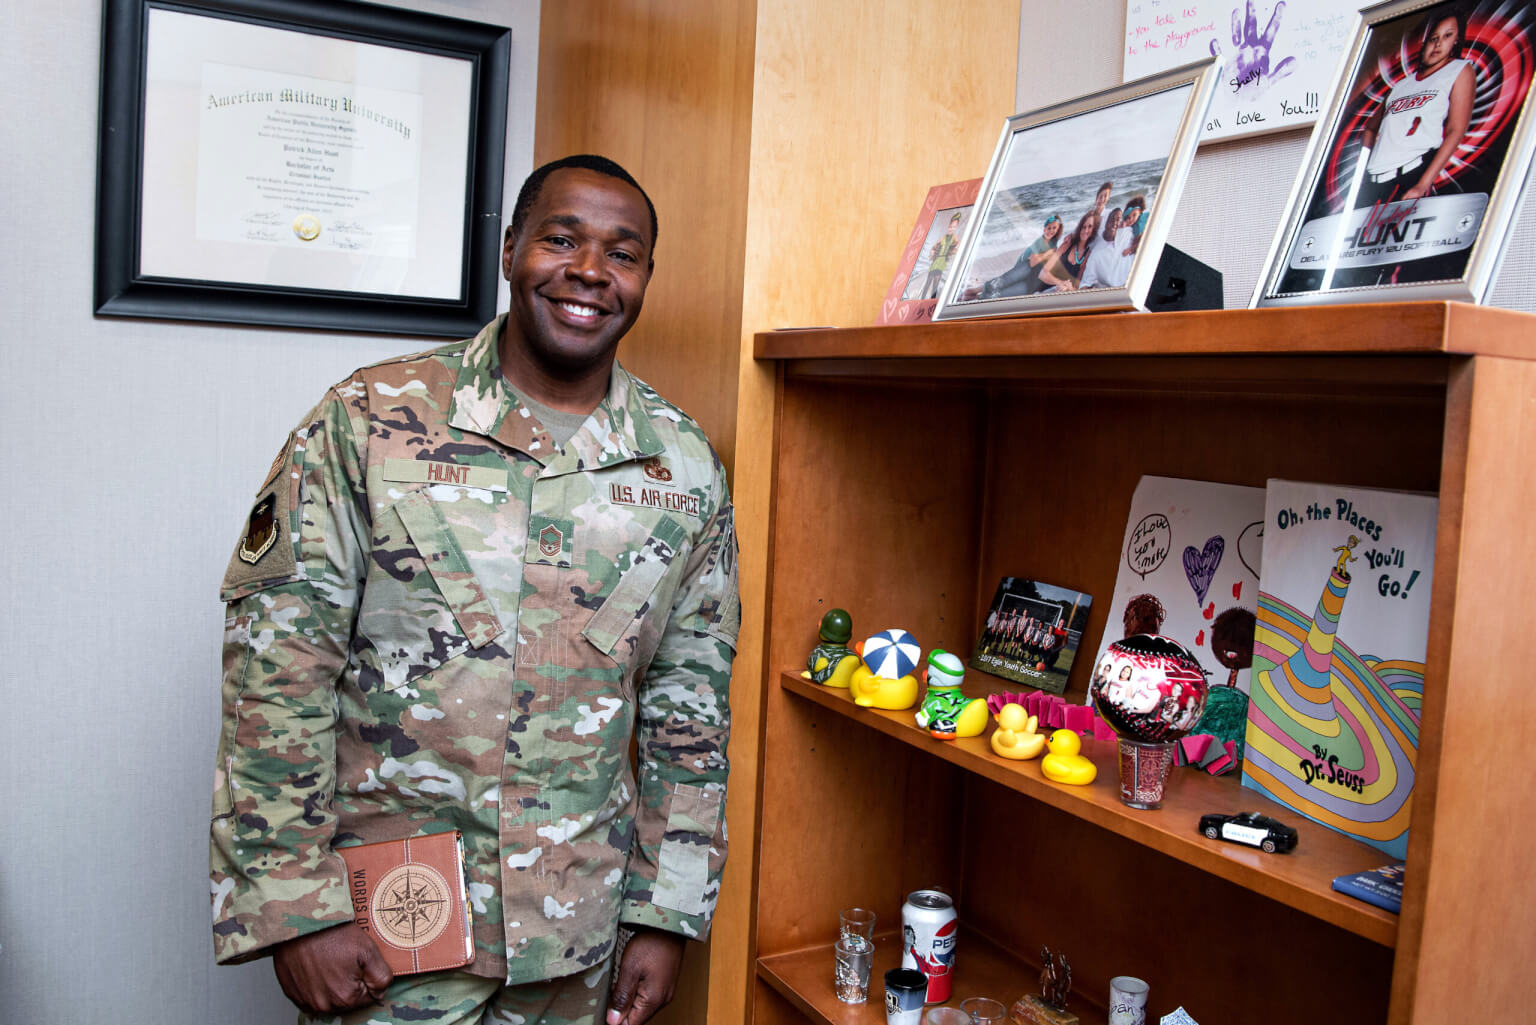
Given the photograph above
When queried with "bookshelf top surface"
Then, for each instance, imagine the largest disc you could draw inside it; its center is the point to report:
(1418, 328)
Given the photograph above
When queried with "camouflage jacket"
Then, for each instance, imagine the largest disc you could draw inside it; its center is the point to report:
(437, 620)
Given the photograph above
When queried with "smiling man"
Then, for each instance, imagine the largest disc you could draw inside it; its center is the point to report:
(470, 578)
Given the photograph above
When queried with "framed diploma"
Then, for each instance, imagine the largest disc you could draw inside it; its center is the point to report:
(302, 163)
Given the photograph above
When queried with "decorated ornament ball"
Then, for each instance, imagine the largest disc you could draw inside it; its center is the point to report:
(1149, 688)
(892, 654)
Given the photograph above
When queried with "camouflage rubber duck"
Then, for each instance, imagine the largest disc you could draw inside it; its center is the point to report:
(832, 662)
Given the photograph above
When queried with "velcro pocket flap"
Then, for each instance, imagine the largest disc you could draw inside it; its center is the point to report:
(455, 581)
(682, 864)
(725, 627)
(649, 565)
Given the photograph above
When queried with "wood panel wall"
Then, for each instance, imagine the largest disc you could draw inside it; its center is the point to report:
(857, 110)
(665, 89)
(788, 147)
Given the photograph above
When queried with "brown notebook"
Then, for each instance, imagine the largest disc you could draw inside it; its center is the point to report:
(409, 896)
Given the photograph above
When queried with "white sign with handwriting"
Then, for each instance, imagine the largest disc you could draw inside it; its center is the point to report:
(1280, 57)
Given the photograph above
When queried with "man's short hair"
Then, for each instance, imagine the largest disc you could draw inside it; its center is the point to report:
(529, 194)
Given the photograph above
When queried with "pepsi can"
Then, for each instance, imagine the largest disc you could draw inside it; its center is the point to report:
(928, 928)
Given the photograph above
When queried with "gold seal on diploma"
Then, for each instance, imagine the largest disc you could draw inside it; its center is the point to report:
(306, 227)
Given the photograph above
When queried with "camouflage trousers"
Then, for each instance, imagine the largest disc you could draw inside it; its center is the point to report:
(457, 998)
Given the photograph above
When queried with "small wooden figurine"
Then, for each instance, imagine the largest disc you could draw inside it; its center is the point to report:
(1050, 1007)
(832, 662)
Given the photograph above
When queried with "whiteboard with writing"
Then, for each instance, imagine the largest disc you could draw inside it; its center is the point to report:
(1280, 56)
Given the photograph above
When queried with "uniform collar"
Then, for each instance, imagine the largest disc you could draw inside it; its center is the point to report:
(618, 430)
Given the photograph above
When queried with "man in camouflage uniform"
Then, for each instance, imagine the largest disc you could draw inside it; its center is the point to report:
(470, 576)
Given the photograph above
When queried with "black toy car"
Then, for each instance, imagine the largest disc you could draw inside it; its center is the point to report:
(1251, 828)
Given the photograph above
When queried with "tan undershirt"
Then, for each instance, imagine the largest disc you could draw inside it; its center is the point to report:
(562, 426)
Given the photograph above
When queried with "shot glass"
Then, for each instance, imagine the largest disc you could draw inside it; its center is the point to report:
(850, 977)
(946, 1016)
(1127, 1000)
(1143, 772)
(856, 922)
(984, 1011)
(905, 990)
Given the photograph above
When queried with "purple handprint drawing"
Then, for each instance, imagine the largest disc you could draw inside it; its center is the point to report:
(1252, 71)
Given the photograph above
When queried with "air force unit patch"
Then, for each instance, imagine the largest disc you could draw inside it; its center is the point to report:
(260, 532)
(265, 556)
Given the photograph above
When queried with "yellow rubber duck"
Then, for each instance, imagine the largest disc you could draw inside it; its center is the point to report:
(1015, 736)
(887, 676)
(871, 691)
(831, 663)
(973, 720)
(840, 673)
(1064, 764)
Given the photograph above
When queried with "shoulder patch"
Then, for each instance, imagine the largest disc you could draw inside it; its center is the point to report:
(260, 531)
(264, 555)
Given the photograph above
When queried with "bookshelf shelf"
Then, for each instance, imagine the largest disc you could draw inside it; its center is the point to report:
(804, 978)
(1302, 879)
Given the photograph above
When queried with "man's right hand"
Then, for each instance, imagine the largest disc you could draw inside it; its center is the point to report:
(332, 970)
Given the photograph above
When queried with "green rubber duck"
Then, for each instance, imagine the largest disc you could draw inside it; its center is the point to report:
(945, 712)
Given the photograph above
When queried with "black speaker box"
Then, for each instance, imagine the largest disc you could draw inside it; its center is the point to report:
(1183, 283)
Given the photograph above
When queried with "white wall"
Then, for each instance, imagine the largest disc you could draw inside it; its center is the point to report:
(131, 453)
(1236, 192)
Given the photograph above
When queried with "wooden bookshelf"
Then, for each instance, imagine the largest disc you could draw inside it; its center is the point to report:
(915, 466)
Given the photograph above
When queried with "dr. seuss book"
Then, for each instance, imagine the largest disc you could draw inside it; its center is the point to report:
(1031, 633)
(1189, 570)
(1338, 656)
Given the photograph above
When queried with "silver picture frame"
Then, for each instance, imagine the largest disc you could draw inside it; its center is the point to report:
(1138, 138)
(1356, 230)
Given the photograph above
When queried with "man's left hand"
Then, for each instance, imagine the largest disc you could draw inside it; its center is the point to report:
(647, 975)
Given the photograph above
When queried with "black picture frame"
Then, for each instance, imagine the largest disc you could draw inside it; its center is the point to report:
(123, 290)
(1032, 633)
